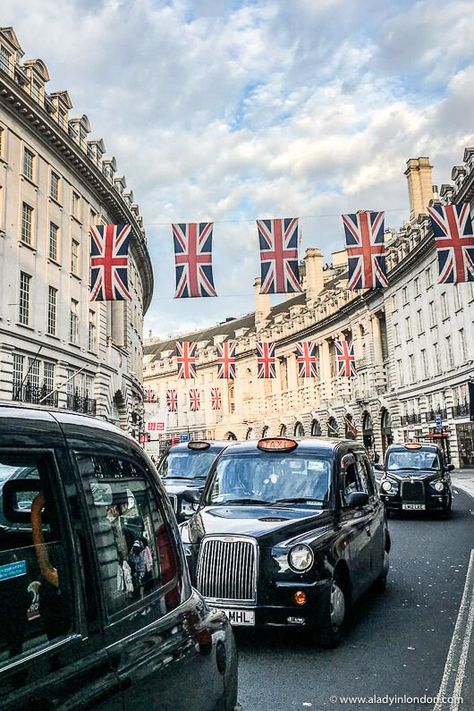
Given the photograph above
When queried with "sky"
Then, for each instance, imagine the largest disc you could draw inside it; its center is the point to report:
(231, 111)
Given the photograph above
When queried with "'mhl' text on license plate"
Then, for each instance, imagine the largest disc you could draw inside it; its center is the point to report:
(240, 617)
(413, 507)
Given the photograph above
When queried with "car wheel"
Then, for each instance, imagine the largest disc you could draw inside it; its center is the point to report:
(334, 615)
(380, 584)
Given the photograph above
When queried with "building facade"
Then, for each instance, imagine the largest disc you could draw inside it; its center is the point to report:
(57, 348)
(413, 344)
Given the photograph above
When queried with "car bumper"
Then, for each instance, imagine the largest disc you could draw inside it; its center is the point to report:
(436, 502)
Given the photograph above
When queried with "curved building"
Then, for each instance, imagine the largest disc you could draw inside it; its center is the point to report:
(57, 348)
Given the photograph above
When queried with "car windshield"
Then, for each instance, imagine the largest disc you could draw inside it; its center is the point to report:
(186, 465)
(413, 460)
(271, 478)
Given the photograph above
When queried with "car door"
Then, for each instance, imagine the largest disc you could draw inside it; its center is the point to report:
(155, 627)
(376, 515)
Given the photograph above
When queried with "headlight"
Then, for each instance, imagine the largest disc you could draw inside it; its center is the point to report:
(187, 509)
(300, 557)
(438, 485)
(387, 485)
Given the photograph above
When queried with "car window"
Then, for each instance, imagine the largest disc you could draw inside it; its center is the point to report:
(350, 482)
(133, 541)
(35, 590)
(186, 464)
(365, 474)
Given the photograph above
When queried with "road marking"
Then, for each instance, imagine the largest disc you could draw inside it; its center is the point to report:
(455, 667)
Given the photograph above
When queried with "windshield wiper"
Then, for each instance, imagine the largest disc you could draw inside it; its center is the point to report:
(298, 500)
(245, 501)
(406, 469)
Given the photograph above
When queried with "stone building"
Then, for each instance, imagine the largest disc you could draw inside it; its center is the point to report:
(57, 348)
(413, 343)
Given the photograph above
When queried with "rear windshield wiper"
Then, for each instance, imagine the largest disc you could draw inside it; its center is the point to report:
(299, 500)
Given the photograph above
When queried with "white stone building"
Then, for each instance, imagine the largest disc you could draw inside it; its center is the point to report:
(54, 183)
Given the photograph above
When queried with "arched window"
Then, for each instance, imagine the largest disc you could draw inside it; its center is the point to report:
(333, 428)
(367, 431)
(230, 435)
(299, 430)
(283, 431)
(316, 429)
(265, 431)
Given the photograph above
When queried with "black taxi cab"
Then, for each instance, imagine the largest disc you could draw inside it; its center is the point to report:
(289, 533)
(96, 605)
(416, 477)
(185, 466)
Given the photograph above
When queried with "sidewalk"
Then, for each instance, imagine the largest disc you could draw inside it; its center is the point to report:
(464, 479)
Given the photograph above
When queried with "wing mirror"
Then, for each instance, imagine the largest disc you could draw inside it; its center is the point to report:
(450, 467)
(191, 496)
(358, 499)
(378, 467)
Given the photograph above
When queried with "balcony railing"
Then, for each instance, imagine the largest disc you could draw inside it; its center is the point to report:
(35, 394)
(461, 409)
(413, 419)
(431, 414)
(78, 403)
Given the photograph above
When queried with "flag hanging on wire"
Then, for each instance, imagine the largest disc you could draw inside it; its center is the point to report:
(351, 429)
(186, 359)
(226, 360)
(172, 400)
(193, 259)
(365, 246)
(109, 262)
(307, 359)
(216, 399)
(266, 360)
(345, 358)
(279, 271)
(194, 399)
(454, 241)
(151, 396)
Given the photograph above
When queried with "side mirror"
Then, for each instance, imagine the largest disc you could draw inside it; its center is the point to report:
(450, 467)
(18, 497)
(358, 499)
(191, 496)
(378, 467)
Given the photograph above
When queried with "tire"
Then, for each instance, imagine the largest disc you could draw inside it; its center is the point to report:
(380, 584)
(333, 616)
(446, 512)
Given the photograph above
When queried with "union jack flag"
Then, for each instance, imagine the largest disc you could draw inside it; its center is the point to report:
(186, 359)
(172, 400)
(307, 360)
(454, 240)
(226, 360)
(345, 358)
(279, 255)
(193, 259)
(109, 262)
(266, 360)
(216, 399)
(194, 399)
(151, 396)
(365, 250)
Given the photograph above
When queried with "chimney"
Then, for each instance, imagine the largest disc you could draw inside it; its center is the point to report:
(420, 188)
(314, 282)
(262, 305)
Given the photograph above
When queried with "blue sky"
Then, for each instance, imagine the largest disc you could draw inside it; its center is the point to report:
(230, 111)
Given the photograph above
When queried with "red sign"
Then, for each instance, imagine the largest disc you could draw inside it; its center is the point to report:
(155, 426)
(142, 438)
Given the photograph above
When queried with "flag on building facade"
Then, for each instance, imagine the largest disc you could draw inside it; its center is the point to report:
(172, 400)
(109, 262)
(194, 399)
(345, 358)
(151, 395)
(307, 359)
(186, 359)
(216, 400)
(193, 259)
(351, 429)
(365, 246)
(454, 241)
(279, 255)
(226, 360)
(266, 360)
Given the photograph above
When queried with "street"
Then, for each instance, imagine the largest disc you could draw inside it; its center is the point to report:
(397, 642)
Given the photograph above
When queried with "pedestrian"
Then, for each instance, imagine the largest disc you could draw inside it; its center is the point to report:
(148, 559)
(124, 576)
(137, 566)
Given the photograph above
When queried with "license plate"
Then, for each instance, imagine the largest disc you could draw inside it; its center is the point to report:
(413, 507)
(239, 617)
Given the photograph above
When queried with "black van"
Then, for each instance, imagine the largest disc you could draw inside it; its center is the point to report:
(96, 606)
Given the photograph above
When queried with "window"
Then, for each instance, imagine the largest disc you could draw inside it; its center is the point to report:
(52, 310)
(74, 322)
(48, 376)
(419, 316)
(350, 482)
(437, 358)
(133, 541)
(24, 304)
(416, 285)
(54, 186)
(432, 314)
(2, 142)
(400, 372)
(405, 295)
(411, 360)
(5, 58)
(53, 241)
(92, 336)
(76, 204)
(396, 333)
(457, 297)
(424, 363)
(408, 327)
(33, 378)
(75, 257)
(449, 352)
(31, 614)
(444, 305)
(93, 217)
(462, 345)
(428, 277)
(28, 163)
(26, 223)
(18, 364)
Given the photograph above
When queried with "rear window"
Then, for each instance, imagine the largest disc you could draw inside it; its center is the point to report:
(186, 465)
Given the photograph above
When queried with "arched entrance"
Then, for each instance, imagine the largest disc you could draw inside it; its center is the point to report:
(283, 431)
(316, 430)
(367, 431)
(230, 435)
(333, 428)
(299, 430)
(265, 431)
(386, 429)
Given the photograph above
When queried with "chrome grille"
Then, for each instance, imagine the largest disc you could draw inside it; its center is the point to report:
(413, 492)
(227, 569)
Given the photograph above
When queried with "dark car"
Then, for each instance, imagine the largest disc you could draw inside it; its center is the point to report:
(96, 605)
(185, 467)
(416, 477)
(289, 533)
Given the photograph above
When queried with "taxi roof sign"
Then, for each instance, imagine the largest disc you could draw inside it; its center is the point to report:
(198, 445)
(413, 445)
(277, 444)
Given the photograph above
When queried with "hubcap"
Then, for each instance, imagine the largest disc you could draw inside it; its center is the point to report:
(338, 605)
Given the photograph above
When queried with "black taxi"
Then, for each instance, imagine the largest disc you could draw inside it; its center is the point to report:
(185, 466)
(289, 533)
(416, 477)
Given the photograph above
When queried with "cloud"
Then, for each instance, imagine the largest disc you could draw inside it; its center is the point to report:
(226, 110)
